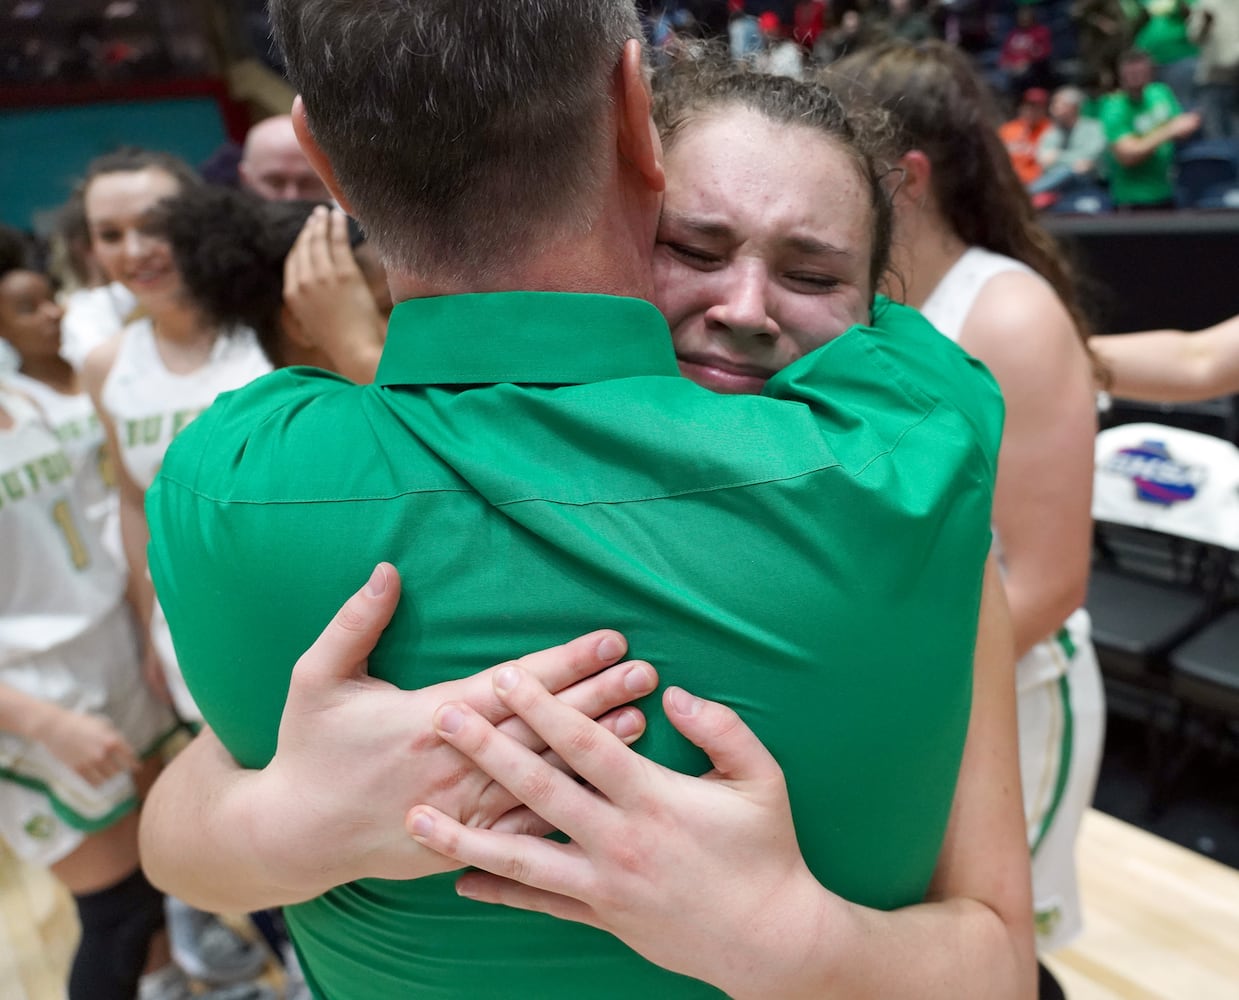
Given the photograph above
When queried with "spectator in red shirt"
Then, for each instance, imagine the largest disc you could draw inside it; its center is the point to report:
(1026, 51)
(809, 22)
(1022, 133)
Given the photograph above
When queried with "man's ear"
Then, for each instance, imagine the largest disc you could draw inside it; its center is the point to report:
(639, 144)
(314, 153)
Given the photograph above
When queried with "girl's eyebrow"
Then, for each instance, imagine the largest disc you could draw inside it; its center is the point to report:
(808, 245)
(814, 247)
(702, 227)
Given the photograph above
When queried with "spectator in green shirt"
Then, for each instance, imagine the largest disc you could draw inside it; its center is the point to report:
(1142, 121)
(1162, 32)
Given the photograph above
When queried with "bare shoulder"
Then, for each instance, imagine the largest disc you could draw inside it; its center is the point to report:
(1019, 327)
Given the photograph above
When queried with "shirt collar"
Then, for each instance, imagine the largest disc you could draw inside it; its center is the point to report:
(549, 338)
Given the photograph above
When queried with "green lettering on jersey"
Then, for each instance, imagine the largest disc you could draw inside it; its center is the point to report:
(55, 467)
(13, 484)
(72, 430)
(151, 429)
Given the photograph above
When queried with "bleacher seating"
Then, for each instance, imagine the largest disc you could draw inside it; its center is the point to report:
(1203, 167)
(1219, 197)
(1091, 200)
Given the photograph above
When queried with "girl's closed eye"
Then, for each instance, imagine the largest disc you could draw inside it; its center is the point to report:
(817, 282)
(691, 255)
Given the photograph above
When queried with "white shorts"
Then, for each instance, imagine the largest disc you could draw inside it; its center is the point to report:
(1062, 721)
(46, 808)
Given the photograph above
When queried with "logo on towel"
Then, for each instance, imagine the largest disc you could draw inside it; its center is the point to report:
(40, 826)
(1158, 478)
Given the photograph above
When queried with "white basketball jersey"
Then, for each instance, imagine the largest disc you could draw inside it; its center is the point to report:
(93, 315)
(952, 299)
(73, 419)
(55, 580)
(151, 405)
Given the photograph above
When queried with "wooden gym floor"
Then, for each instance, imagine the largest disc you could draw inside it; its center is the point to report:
(1162, 923)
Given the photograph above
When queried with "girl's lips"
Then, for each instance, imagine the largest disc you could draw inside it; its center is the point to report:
(149, 282)
(723, 375)
(147, 277)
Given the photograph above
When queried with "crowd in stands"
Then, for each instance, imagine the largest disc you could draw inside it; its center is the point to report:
(1112, 104)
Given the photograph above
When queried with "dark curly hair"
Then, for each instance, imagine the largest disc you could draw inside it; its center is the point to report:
(13, 250)
(230, 248)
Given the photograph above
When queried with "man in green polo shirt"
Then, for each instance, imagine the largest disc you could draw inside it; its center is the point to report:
(533, 464)
(1142, 121)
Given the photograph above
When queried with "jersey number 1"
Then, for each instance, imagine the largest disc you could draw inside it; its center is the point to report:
(63, 516)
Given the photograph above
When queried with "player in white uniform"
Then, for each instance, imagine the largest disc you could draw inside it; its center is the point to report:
(150, 380)
(76, 718)
(147, 406)
(1061, 699)
(30, 323)
(147, 383)
(969, 252)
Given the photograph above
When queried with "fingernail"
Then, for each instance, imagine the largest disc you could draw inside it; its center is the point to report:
(683, 702)
(377, 583)
(465, 888)
(628, 724)
(637, 680)
(610, 648)
(506, 679)
(422, 826)
(449, 719)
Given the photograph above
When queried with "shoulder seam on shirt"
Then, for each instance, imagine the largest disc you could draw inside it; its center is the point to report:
(385, 497)
(934, 408)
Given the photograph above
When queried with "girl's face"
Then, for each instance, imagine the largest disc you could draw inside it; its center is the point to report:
(763, 249)
(29, 315)
(120, 214)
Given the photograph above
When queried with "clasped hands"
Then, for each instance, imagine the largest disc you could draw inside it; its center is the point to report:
(379, 782)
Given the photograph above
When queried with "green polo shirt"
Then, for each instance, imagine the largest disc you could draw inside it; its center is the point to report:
(1149, 181)
(1164, 35)
(536, 468)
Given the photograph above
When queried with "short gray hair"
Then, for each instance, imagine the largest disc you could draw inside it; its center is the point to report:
(460, 131)
(1073, 94)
